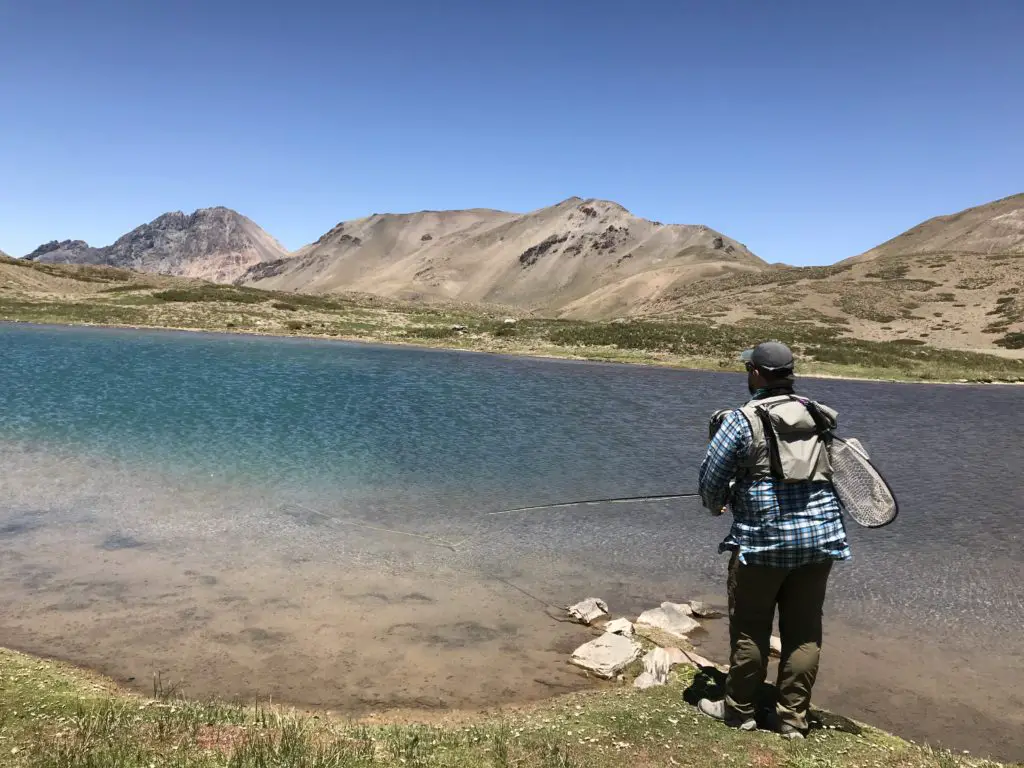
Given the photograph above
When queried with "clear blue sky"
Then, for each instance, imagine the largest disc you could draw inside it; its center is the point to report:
(810, 131)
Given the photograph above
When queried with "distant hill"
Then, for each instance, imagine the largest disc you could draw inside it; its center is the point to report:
(580, 258)
(216, 244)
(996, 227)
(953, 281)
(583, 258)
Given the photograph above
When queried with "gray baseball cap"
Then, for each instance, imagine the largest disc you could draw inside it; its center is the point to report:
(769, 356)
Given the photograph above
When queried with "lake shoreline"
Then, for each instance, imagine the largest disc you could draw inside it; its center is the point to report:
(569, 357)
(60, 713)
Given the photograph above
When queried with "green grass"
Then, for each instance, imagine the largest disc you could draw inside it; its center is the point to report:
(202, 293)
(54, 716)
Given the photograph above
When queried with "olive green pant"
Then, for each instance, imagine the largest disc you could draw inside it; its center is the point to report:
(754, 591)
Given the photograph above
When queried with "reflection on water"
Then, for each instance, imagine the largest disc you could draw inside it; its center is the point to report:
(185, 502)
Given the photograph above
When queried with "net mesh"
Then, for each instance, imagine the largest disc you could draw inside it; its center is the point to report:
(863, 492)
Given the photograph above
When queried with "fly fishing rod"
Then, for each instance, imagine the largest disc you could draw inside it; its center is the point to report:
(620, 500)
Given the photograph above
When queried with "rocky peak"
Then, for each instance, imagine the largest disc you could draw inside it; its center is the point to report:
(217, 244)
(65, 246)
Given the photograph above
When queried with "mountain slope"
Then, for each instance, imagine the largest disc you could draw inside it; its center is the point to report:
(212, 243)
(953, 281)
(580, 258)
(996, 227)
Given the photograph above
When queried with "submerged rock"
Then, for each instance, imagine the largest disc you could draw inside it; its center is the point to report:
(671, 618)
(589, 610)
(607, 655)
(703, 610)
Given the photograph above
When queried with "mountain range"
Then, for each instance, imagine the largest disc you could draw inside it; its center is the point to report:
(955, 280)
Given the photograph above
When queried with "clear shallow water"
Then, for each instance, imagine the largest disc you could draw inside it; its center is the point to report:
(157, 494)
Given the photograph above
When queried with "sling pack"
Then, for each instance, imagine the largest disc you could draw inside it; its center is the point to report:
(791, 437)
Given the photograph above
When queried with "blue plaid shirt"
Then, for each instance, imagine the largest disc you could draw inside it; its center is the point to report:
(784, 525)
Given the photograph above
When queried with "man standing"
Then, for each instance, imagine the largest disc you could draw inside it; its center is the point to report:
(787, 530)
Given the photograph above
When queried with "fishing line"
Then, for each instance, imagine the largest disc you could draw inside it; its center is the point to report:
(586, 502)
(457, 546)
(621, 500)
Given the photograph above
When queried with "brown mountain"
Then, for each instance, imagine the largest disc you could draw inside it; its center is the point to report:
(953, 281)
(580, 258)
(212, 243)
(996, 227)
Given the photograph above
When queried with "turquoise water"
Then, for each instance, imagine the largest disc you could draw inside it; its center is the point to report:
(299, 414)
(213, 504)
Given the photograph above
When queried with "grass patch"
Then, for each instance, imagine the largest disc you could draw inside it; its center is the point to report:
(203, 293)
(976, 283)
(433, 332)
(890, 273)
(1011, 341)
(128, 288)
(57, 717)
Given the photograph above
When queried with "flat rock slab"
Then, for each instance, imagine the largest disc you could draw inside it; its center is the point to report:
(669, 618)
(589, 610)
(607, 655)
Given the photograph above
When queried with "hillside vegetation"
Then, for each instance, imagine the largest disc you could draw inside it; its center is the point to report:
(46, 293)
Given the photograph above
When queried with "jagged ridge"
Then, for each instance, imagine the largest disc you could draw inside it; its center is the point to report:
(216, 244)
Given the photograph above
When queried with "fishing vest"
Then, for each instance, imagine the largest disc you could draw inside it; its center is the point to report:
(790, 439)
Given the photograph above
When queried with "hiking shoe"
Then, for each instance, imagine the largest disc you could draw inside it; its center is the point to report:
(791, 732)
(719, 711)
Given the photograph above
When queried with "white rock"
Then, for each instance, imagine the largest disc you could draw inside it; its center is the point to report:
(775, 646)
(620, 627)
(683, 608)
(509, 321)
(703, 610)
(668, 619)
(587, 611)
(607, 655)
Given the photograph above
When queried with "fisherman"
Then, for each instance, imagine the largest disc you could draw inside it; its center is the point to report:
(787, 531)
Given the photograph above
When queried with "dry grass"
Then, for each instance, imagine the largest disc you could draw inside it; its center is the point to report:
(892, 297)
